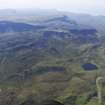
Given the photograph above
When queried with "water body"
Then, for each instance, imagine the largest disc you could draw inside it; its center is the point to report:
(89, 66)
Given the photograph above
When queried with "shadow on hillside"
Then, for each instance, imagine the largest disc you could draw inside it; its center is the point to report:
(46, 102)
(10, 98)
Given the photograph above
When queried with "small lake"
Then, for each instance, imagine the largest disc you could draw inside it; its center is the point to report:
(89, 66)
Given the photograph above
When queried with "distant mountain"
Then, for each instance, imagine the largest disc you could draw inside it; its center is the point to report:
(5, 12)
(97, 22)
(36, 15)
(27, 12)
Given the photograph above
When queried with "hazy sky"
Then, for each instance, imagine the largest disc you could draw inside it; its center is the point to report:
(81, 6)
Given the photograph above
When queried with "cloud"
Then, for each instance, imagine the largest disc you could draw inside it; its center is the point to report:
(85, 6)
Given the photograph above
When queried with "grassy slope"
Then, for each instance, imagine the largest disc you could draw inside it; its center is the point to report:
(76, 84)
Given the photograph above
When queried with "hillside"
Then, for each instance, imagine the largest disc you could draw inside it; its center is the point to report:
(56, 58)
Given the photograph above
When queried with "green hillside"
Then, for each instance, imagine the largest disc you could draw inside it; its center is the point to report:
(55, 58)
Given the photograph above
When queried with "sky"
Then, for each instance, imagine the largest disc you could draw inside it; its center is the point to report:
(95, 7)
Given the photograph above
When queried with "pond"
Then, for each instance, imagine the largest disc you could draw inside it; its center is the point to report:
(89, 66)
